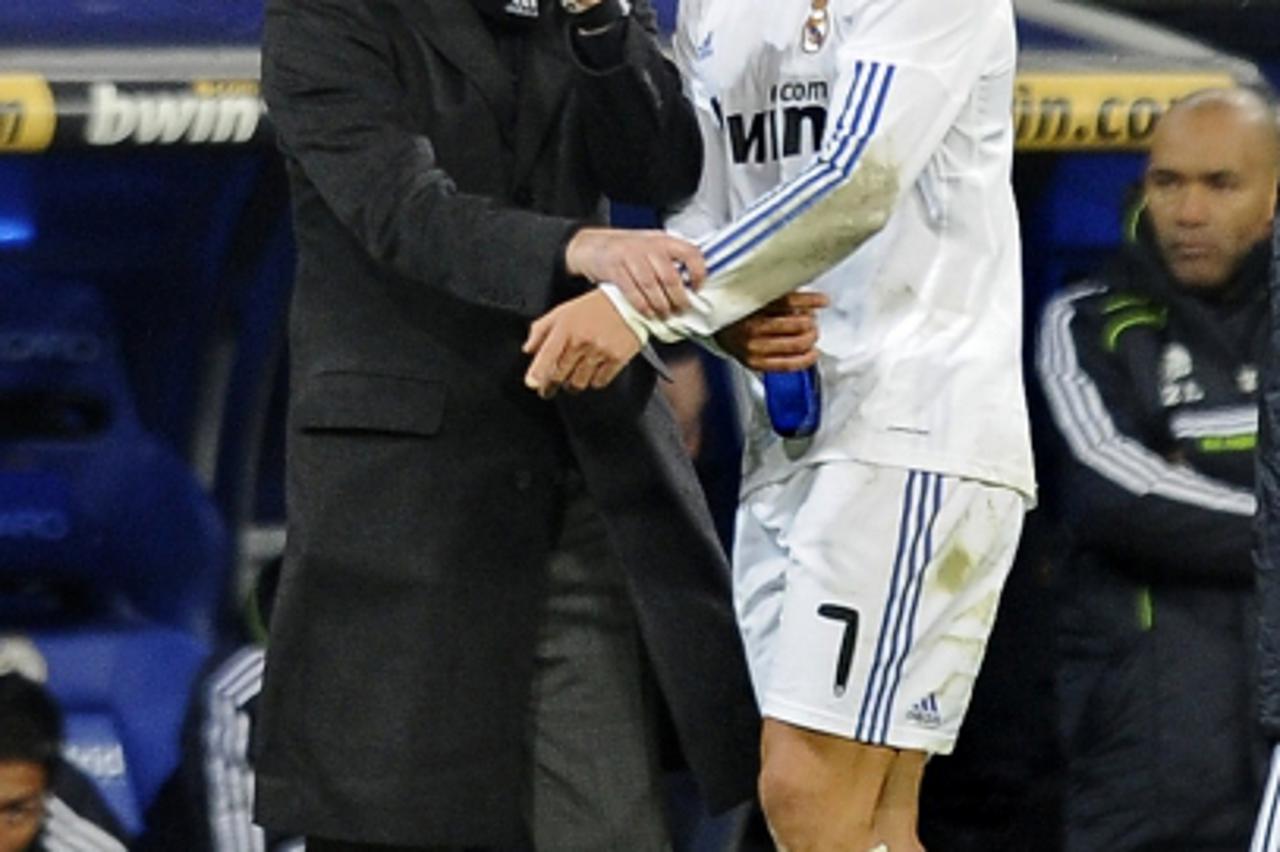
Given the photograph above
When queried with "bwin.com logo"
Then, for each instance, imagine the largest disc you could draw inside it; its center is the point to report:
(925, 712)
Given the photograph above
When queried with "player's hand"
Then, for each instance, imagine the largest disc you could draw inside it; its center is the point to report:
(780, 337)
(583, 343)
(651, 268)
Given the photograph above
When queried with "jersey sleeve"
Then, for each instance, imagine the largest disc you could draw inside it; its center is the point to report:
(908, 68)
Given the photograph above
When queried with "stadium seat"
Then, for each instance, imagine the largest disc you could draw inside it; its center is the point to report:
(123, 689)
(112, 556)
(1072, 209)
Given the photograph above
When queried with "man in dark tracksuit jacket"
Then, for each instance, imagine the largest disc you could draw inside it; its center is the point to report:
(1150, 372)
(46, 803)
(208, 806)
(77, 817)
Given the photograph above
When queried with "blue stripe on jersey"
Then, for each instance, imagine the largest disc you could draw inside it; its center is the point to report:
(763, 205)
(835, 163)
(826, 178)
(849, 119)
(823, 174)
(915, 601)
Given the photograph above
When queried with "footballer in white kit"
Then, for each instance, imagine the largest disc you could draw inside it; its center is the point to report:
(863, 148)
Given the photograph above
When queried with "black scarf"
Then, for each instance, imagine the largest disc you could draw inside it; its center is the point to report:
(1231, 318)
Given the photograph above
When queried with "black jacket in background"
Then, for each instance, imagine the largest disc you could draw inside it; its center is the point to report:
(1268, 553)
(1153, 390)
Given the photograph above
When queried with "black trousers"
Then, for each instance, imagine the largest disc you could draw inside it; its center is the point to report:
(596, 783)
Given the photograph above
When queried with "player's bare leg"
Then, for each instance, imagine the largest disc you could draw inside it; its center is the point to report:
(820, 792)
(898, 811)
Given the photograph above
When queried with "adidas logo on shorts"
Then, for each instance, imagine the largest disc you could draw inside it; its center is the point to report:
(925, 712)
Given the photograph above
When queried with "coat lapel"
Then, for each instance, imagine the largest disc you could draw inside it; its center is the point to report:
(455, 29)
(544, 85)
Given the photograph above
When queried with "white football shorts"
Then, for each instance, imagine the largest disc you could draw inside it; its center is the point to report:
(866, 595)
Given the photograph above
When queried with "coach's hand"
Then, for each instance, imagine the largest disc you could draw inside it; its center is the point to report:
(780, 337)
(651, 268)
(583, 343)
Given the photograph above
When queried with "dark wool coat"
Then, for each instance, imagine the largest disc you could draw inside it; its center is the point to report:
(433, 197)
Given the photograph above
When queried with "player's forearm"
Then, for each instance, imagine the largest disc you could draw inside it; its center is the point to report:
(761, 257)
(1155, 537)
(1162, 543)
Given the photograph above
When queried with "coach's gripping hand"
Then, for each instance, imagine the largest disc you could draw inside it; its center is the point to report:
(780, 337)
(651, 268)
(583, 343)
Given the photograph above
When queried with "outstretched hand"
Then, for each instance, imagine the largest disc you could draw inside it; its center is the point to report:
(580, 344)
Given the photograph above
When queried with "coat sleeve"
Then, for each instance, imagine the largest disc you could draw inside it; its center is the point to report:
(1156, 518)
(334, 98)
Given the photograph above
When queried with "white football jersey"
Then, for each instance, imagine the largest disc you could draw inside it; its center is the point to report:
(863, 148)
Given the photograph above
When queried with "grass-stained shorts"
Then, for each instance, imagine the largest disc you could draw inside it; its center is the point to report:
(866, 595)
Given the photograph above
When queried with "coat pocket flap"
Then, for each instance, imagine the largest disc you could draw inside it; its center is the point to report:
(367, 402)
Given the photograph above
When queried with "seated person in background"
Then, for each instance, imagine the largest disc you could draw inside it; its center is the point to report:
(208, 806)
(46, 805)
(1151, 374)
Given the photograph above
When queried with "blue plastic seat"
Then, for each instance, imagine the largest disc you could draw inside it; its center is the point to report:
(112, 556)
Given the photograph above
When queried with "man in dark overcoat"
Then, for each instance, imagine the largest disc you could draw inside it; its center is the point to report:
(485, 593)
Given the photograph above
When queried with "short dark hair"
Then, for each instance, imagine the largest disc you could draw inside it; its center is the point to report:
(30, 722)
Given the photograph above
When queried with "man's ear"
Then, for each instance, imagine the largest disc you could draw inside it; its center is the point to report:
(1134, 215)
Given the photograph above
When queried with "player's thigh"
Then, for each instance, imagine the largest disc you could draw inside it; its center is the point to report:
(760, 566)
